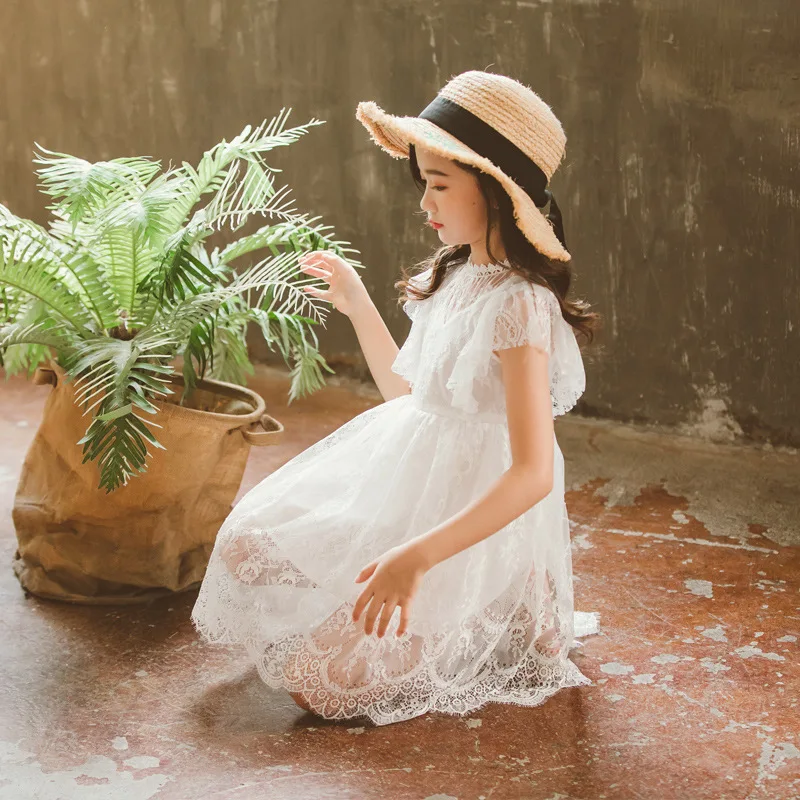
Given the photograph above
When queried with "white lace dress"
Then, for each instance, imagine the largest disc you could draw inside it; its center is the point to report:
(495, 622)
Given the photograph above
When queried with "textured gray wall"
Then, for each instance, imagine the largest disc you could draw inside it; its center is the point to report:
(680, 190)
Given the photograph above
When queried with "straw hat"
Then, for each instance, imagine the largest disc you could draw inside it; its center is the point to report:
(501, 127)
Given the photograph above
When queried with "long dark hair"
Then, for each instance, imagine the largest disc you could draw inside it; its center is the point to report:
(523, 257)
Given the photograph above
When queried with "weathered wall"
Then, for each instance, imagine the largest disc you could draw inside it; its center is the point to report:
(680, 190)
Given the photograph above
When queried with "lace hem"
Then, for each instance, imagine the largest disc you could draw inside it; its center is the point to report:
(509, 653)
(308, 663)
(531, 683)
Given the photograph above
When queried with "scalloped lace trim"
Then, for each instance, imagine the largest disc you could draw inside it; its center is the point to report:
(508, 653)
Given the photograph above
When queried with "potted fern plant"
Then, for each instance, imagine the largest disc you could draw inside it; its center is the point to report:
(141, 328)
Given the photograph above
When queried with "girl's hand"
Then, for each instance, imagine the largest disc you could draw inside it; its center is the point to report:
(394, 580)
(345, 289)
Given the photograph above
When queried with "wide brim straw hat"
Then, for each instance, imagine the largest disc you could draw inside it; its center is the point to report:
(498, 125)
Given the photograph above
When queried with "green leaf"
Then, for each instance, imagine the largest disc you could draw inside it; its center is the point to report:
(126, 260)
(68, 261)
(82, 188)
(116, 413)
(24, 346)
(25, 264)
(113, 376)
(234, 201)
(179, 275)
(299, 234)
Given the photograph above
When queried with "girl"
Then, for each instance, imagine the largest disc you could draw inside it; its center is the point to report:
(418, 558)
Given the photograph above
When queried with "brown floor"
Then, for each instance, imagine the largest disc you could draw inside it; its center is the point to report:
(689, 551)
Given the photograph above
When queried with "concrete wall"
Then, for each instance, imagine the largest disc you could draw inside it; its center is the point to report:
(680, 191)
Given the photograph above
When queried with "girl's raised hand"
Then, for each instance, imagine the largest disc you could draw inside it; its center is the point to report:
(345, 289)
(394, 579)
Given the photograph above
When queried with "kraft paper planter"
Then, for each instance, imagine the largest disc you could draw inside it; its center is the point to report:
(152, 537)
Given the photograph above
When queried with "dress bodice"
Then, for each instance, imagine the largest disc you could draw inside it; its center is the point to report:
(449, 356)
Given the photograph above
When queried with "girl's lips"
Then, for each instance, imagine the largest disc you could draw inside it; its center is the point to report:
(435, 225)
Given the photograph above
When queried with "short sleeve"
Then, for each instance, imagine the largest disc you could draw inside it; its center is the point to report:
(519, 313)
(525, 317)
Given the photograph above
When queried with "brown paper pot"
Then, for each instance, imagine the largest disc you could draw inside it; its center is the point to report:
(152, 537)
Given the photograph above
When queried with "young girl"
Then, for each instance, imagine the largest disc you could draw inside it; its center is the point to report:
(418, 558)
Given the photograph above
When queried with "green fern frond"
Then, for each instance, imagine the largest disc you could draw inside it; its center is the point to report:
(44, 333)
(26, 265)
(238, 198)
(175, 323)
(288, 332)
(121, 380)
(254, 142)
(198, 355)
(218, 349)
(126, 259)
(275, 278)
(24, 359)
(300, 234)
(180, 275)
(67, 261)
(148, 210)
(24, 345)
(249, 146)
(231, 361)
(81, 187)
(12, 303)
(116, 440)
(279, 205)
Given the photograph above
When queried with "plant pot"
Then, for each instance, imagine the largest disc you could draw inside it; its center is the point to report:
(152, 537)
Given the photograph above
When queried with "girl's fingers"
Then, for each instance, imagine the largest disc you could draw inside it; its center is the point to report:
(386, 615)
(362, 600)
(316, 259)
(323, 294)
(402, 626)
(313, 256)
(315, 270)
(314, 267)
(372, 613)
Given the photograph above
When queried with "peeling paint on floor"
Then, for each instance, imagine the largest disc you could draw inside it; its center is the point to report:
(700, 587)
(97, 778)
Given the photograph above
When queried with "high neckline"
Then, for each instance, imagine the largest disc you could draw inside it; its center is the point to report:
(497, 266)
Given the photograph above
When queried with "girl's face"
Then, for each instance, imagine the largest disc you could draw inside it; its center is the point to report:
(452, 198)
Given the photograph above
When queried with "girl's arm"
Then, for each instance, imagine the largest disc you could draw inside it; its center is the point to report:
(530, 477)
(347, 293)
(379, 348)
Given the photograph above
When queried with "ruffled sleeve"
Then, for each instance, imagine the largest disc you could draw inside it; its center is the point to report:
(524, 317)
(412, 306)
(410, 355)
(520, 313)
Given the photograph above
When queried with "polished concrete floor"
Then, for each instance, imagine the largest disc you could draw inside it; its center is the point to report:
(689, 551)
